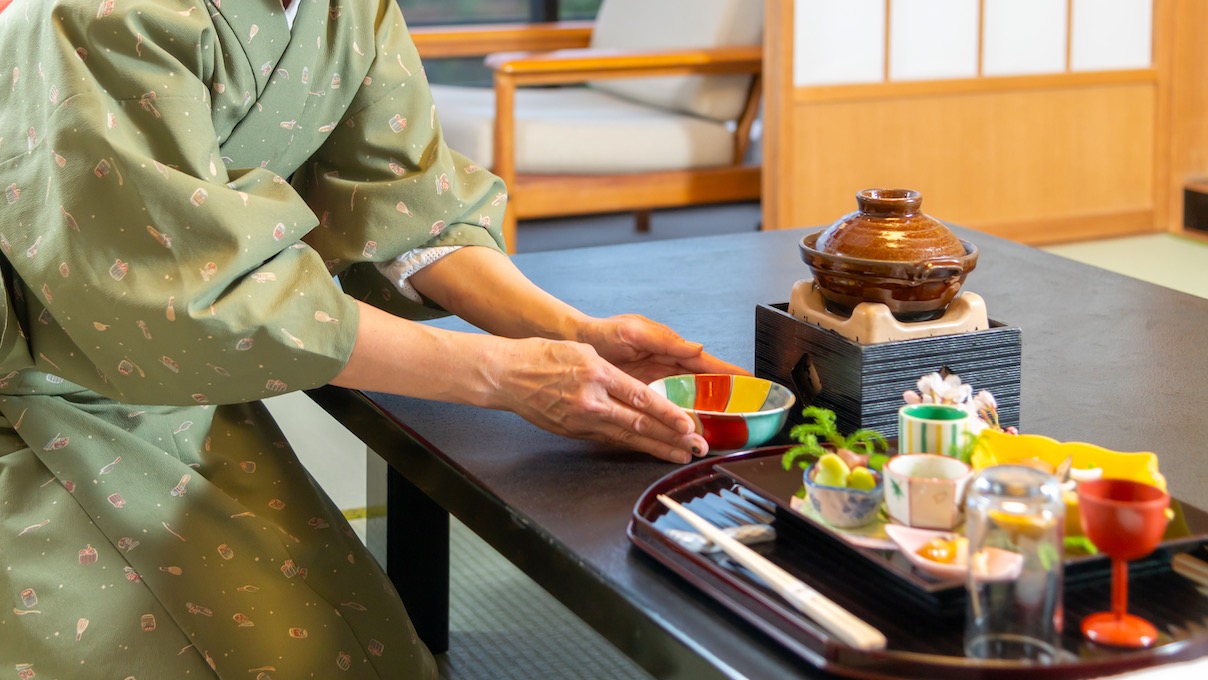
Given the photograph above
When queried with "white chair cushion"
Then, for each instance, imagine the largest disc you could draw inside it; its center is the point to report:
(681, 24)
(577, 130)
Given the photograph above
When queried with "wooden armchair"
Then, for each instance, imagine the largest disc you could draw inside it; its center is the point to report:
(672, 90)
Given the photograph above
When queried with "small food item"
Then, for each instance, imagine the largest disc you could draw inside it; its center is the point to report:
(832, 471)
(1029, 526)
(853, 459)
(861, 478)
(1037, 463)
(945, 550)
(1085, 474)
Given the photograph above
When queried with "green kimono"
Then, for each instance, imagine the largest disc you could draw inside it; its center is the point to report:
(181, 180)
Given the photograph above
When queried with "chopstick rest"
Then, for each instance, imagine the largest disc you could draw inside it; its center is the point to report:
(747, 534)
(841, 623)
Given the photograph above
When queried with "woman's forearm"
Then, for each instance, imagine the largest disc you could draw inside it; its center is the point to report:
(398, 356)
(483, 287)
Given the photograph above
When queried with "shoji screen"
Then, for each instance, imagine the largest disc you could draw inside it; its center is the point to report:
(1033, 119)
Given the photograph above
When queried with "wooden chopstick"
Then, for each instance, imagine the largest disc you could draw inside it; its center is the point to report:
(838, 621)
(1191, 567)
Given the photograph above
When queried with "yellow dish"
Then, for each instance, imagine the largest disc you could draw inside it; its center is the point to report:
(999, 448)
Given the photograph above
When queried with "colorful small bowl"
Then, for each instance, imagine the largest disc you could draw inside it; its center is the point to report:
(731, 411)
(844, 507)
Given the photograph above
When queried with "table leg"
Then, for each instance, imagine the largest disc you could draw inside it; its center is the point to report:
(417, 558)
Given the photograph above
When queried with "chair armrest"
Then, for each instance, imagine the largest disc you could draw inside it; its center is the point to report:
(476, 40)
(562, 67)
(579, 65)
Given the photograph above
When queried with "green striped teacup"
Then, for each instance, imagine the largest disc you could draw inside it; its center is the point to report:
(932, 428)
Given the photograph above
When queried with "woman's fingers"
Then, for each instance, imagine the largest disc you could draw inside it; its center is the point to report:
(612, 434)
(635, 417)
(707, 363)
(628, 426)
(648, 404)
(649, 350)
(568, 389)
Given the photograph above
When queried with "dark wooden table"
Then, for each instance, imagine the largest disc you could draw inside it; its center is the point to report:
(1106, 359)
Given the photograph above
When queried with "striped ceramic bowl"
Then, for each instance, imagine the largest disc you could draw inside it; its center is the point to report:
(731, 411)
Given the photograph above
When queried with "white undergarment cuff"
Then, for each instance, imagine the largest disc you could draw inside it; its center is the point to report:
(402, 268)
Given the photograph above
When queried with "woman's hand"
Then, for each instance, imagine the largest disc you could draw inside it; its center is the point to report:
(569, 389)
(559, 385)
(648, 350)
(485, 288)
(574, 375)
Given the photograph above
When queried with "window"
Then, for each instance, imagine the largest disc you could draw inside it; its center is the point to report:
(578, 9)
(470, 71)
(421, 12)
(426, 12)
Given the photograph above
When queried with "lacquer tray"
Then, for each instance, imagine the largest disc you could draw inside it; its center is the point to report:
(924, 641)
(766, 476)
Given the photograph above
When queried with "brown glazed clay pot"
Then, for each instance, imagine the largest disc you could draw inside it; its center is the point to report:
(889, 225)
(889, 251)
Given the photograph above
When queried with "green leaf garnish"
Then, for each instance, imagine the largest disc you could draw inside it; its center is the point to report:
(821, 434)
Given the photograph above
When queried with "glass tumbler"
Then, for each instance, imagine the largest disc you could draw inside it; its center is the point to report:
(1015, 524)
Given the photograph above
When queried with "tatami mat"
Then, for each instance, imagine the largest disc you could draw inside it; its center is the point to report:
(502, 625)
(1171, 260)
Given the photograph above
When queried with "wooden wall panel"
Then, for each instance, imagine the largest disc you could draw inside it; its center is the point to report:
(1040, 159)
(779, 172)
(997, 161)
(1182, 26)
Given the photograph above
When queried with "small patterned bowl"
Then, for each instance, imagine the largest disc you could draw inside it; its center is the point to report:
(731, 411)
(843, 507)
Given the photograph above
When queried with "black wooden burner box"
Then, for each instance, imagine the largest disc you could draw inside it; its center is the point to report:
(863, 383)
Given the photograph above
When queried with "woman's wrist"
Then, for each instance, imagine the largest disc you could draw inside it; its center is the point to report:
(483, 287)
(577, 327)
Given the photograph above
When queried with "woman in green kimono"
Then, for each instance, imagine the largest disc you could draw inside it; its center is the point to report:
(182, 179)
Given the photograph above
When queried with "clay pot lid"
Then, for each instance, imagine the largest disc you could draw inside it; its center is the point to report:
(889, 225)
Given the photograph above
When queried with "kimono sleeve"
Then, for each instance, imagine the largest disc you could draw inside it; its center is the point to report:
(385, 182)
(177, 279)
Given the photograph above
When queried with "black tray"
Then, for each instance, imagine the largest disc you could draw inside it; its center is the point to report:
(767, 477)
(923, 642)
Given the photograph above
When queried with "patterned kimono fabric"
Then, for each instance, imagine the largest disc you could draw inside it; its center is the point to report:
(181, 180)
